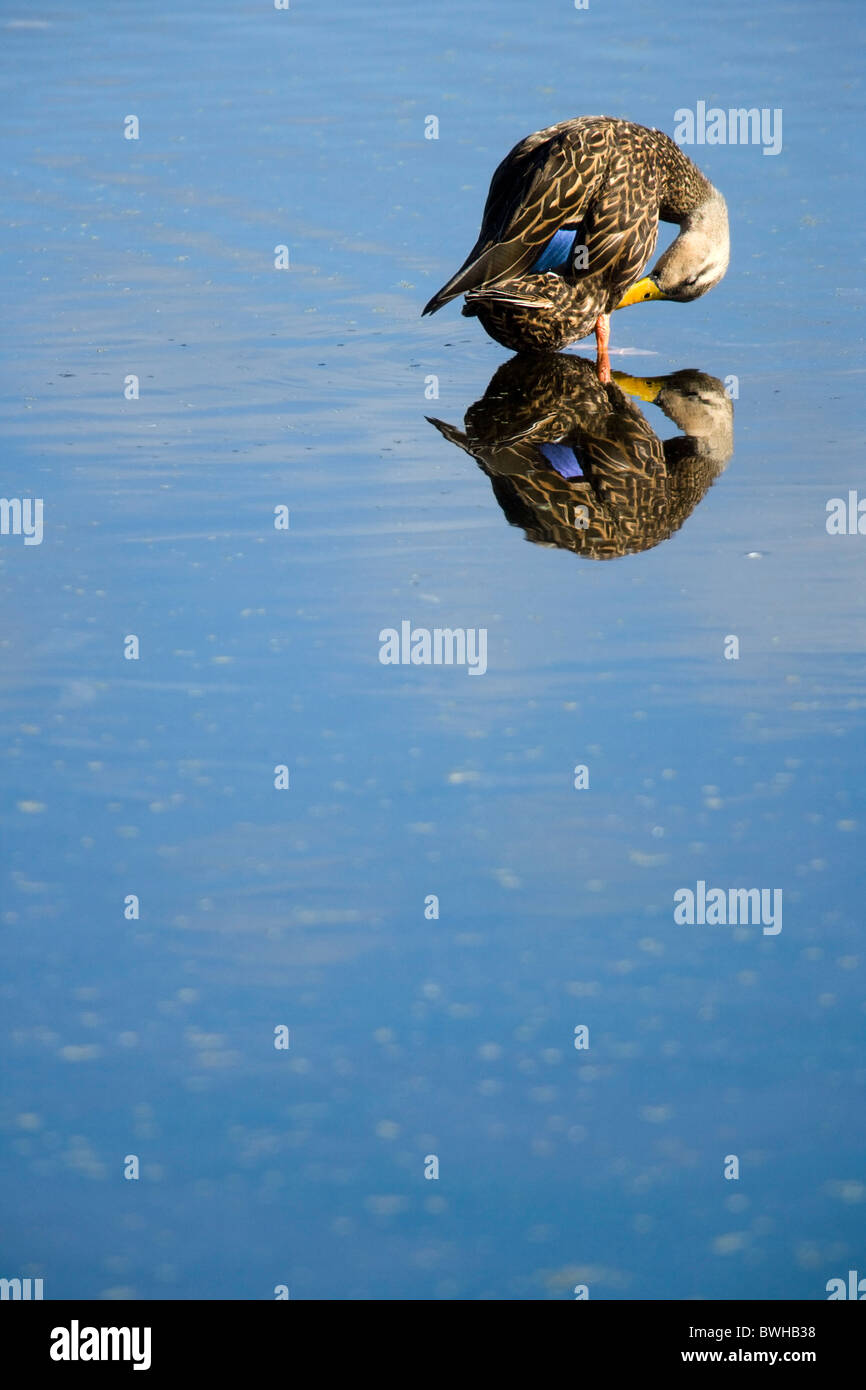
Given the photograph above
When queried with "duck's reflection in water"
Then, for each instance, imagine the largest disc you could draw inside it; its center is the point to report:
(575, 463)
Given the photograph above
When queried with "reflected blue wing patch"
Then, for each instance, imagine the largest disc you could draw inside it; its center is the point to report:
(563, 459)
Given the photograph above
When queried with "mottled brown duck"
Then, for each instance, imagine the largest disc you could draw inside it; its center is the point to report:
(571, 222)
(574, 462)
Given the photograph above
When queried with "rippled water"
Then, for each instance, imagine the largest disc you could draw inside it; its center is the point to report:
(310, 388)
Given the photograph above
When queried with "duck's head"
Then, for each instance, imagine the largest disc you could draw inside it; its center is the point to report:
(692, 264)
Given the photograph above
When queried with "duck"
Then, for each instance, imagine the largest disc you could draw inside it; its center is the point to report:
(569, 227)
(575, 463)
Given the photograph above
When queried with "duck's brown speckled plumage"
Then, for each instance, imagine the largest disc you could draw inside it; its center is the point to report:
(609, 179)
(636, 490)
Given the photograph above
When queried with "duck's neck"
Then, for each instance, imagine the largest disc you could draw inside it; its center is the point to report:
(709, 219)
(683, 188)
(709, 216)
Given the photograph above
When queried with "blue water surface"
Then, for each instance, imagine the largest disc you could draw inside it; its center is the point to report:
(414, 1036)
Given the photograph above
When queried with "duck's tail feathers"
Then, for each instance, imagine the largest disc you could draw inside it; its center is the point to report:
(451, 433)
(483, 268)
(501, 294)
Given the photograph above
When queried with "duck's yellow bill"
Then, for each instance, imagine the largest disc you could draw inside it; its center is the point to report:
(644, 388)
(644, 289)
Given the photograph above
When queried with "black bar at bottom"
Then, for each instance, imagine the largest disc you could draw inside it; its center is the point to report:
(67, 1338)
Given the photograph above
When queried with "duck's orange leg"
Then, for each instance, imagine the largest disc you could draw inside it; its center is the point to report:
(602, 340)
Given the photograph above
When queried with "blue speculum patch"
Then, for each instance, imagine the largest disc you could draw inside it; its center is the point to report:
(556, 252)
(563, 459)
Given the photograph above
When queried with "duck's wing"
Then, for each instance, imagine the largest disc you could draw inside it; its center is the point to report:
(620, 229)
(548, 181)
